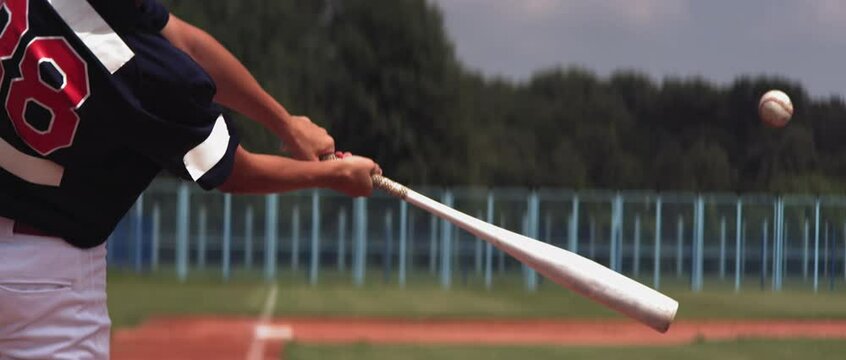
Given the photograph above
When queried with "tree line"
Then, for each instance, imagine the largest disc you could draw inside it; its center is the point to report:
(382, 76)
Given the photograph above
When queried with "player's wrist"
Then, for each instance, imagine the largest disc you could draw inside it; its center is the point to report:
(333, 175)
(281, 123)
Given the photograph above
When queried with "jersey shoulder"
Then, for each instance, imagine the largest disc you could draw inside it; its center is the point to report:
(132, 15)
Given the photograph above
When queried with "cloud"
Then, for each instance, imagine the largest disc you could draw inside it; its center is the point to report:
(625, 12)
(539, 8)
(717, 39)
(650, 12)
(831, 13)
(516, 37)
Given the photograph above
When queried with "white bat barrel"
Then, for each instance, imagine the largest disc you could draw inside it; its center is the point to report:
(565, 268)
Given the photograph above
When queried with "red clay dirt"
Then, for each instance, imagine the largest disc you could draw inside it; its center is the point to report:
(231, 338)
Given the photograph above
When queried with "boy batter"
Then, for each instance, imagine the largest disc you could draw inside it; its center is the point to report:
(99, 96)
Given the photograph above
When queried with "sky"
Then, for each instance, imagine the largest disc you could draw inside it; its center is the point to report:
(801, 40)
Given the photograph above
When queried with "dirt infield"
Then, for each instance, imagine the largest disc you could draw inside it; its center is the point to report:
(232, 338)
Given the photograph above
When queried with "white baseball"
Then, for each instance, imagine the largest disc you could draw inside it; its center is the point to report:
(775, 108)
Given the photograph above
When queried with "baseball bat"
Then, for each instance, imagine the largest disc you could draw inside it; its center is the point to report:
(584, 276)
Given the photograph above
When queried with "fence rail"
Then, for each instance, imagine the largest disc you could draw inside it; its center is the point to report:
(704, 239)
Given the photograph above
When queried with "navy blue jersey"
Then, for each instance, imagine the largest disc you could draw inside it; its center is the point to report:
(96, 104)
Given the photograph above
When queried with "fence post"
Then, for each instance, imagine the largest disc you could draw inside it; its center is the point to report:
(694, 244)
(360, 233)
(825, 255)
(227, 234)
(592, 239)
(700, 250)
(248, 238)
(387, 251)
(410, 247)
(620, 235)
(533, 231)
(573, 236)
(832, 258)
(698, 260)
(679, 246)
(433, 243)
(774, 262)
(817, 245)
(403, 238)
(784, 254)
(738, 237)
(314, 264)
(271, 224)
(500, 255)
(616, 224)
(743, 248)
(722, 248)
(806, 235)
(182, 223)
(138, 232)
(456, 253)
(656, 276)
(774, 254)
(295, 237)
(202, 236)
(154, 251)
(342, 239)
(779, 250)
(636, 250)
(488, 245)
(764, 236)
(477, 255)
(446, 246)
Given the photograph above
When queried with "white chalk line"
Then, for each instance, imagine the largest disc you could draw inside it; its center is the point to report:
(277, 332)
(263, 331)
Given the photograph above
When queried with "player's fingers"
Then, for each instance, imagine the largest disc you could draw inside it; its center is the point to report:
(330, 144)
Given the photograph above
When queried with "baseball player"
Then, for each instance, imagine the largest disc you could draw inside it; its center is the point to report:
(98, 97)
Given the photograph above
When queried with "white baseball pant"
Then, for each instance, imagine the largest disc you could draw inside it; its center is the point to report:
(52, 298)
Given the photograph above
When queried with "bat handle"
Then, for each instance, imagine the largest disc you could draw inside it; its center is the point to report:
(389, 186)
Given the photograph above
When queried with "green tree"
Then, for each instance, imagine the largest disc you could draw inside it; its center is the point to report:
(383, 77)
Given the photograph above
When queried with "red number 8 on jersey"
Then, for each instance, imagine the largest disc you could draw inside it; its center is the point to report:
(61, 101)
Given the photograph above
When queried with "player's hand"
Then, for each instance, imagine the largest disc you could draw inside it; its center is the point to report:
(354, 175)
(304, 140)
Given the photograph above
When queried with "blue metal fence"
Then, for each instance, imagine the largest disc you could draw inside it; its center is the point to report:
(704, 240)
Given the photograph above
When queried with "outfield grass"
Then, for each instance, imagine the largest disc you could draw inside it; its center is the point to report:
(133, 298)
(736, 350)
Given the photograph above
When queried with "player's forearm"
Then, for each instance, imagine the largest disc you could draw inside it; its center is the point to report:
(236, 87)
(264, 174)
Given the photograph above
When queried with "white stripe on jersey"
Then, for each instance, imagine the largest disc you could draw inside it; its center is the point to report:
(205, 156)
(100, 38)
(32, 169)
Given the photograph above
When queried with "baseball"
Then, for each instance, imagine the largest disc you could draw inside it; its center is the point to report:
(775, 108)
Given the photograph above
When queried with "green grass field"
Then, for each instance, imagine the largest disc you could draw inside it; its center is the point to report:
(133, 298)
(737, 350)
